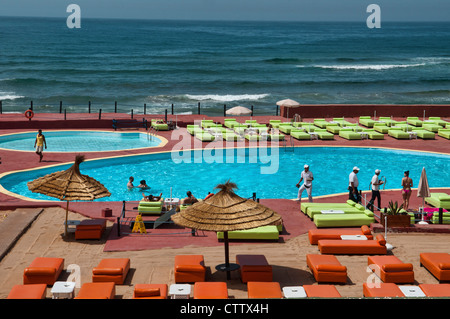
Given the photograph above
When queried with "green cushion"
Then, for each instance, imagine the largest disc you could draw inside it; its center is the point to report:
(204, 136)
(342, 220)
(349, 134)
(151, 204)
(270, 232)
(300, 135)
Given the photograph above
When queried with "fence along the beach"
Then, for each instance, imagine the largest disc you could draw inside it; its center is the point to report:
(89, 106)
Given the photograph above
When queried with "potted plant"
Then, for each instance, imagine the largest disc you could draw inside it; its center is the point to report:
(395, 215)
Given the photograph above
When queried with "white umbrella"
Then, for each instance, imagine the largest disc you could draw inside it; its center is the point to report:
(423, 190)
(288, 103)
(239, 110)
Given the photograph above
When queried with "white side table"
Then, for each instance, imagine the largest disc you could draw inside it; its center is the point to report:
(172, 202)
(412, 291)
(353, 237)
(180, 291)
(72, 225)
(63, 290)
(294, 292)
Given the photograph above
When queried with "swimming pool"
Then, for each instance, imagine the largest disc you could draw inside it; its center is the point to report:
(200, 174)
(80, 141)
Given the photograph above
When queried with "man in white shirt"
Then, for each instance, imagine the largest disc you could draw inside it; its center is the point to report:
(353, 184)
(307, 178)
(376, 188)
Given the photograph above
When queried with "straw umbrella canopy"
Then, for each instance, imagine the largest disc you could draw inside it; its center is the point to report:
(69, 185)
(224, 212)
(423, 189)
(239, 110)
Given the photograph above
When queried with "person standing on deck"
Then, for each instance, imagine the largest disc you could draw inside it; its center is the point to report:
(39, 144)
(307, 178)
(376, 182)
(353, 184)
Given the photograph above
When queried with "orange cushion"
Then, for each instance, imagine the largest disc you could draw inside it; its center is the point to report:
(190, 268)
(113, 265)
(39, 271)
(31, 291)
(261, 290)
(366, 230)
(382, 290)
(397, 267)
(107, 271)
(444, 266)
(321, 291)
(97, 290)
(331, 268)
(381, 240)
(436, 290)
(210, 290)
(150, 291)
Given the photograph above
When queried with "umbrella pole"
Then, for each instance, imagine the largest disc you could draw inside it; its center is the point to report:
(67, 217)
(227, 257)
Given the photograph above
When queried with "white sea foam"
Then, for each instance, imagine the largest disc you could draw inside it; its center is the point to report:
(368, 66)
(8, 96)
(226, 98)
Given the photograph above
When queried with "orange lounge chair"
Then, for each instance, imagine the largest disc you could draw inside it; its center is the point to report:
(90, 229)
(189, 268)
(31, 291)
(254, 268)
(264, 290)
(438, 264)
(321, 291)
(43, 270)
(111, 270)
(382, 290)
(335, 233)
(97, 290)
(436, 290)
(390, 269)
(326, 268)
(354, 247)
(150, 291)
(210, 290)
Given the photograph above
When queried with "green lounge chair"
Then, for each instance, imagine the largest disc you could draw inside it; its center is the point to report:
(437, 120)
(381, 128)
(444, 132)
(192, 129)
(414, 120)
(204, 136)
(313, 211)
(150, 208)
(333, 128)
(349, 134)
(323, 134)
(374, 135)
(297, 124)
(207, 123)
(344, 220)
(217, 129)
(300, 134)
(386, 120)
(341, 121)
(272, 137)
(229, 135)
(275, 123)
(286, 128)
(305, 206)
(269, 232)
(439, 200)
(423, 133)
(399, 134)
(309, 127)
(445, 218)
(366, 121)
(432, 127)
(159, 126)
(252, 137)
(357, 128)
(322, 123)
(230, 123)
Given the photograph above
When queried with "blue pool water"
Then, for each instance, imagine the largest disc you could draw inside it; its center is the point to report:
(200, 173)
(79, 141)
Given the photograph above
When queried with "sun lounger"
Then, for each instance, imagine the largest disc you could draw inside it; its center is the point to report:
(286, 128)
(322, 123)
(264, 290)
(315, 235)
(414, 120)
(207, 123)
(272, 137)
(391, 269)
(437, 120)
(444, 132)
(353, 247)
(31, 291)
(381, 128)
(159, 126)
(313, 211)
(231, 136)
(269, 232)
(43, 270)
(308, 127)
(344, 220)
(386, 120)
(150, 208)
(349, 134)
(432, 127)
(326, 268)
(333, 128)
(341, 121)
(275, 123)
(150, 291)
(204, 136)
(189, 268)
(321, 291)
(192, 129)
(252, 137)
(210, 290)
(300, 134)
(439, 200)
(97, 290)
(436, 290)
(373, 134)
(398, 133)
(254, 268)
(381, 290)
(323, 134)
(90, 229)
(305, 207)
(437, 264)
(366, 121)
(111, 270)
(230, 123)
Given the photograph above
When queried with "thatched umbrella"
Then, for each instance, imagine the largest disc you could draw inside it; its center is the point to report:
(69, 185)
(224, 212)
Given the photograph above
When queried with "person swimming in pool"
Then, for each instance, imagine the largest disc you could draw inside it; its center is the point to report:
(143, 185)
(407, 184)
(130, 182)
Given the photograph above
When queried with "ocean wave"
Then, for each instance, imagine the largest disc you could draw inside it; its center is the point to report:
(376, 67)
(8, 96)
(227, 97)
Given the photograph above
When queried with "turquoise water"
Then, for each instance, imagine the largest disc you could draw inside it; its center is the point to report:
(201, 172)
(79, 141)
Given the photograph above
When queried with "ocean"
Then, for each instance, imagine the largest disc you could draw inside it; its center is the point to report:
(217, 63)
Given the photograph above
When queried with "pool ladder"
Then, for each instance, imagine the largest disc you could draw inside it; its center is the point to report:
(288, 144)
(151, 133)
